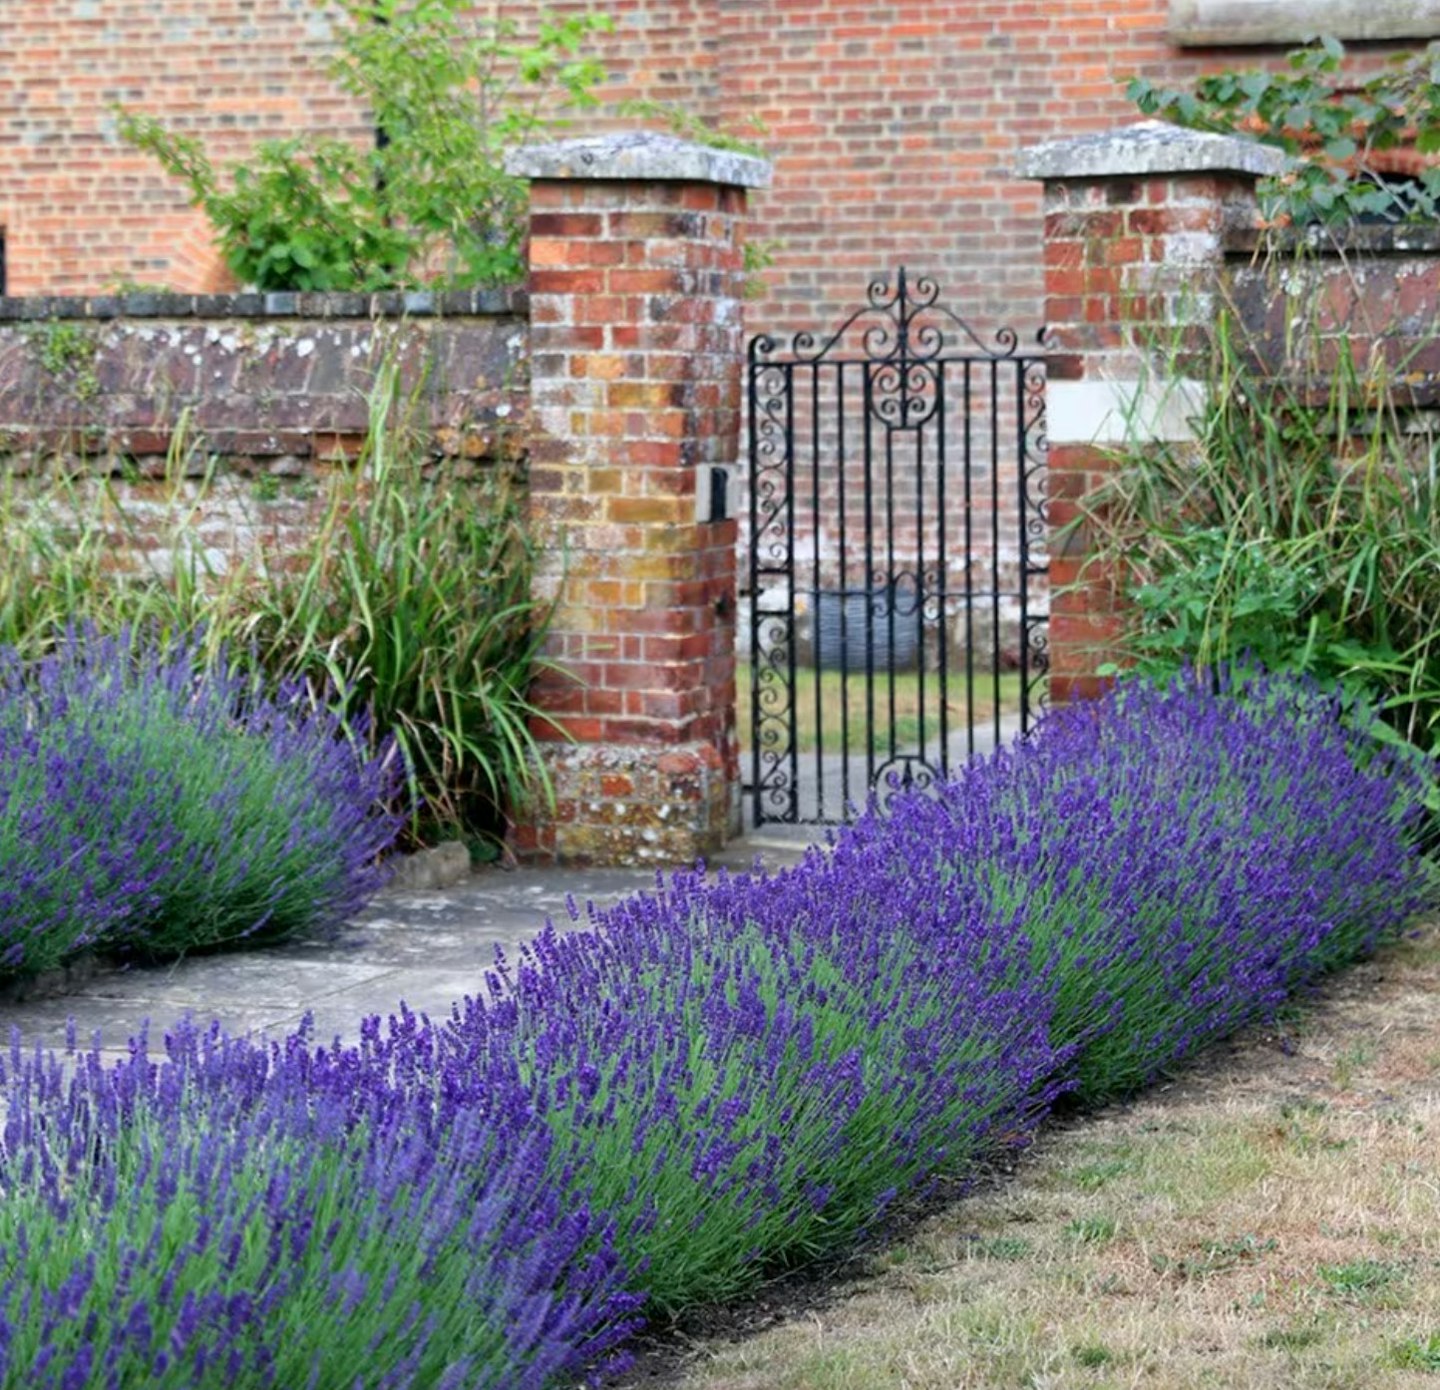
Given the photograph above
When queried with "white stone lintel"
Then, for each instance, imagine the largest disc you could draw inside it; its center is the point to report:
(1230, 22)
(1122, 412)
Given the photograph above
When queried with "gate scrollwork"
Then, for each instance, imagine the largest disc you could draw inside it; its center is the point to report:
(901, 375)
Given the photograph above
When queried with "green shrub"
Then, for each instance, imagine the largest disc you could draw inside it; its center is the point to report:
(1333, 122)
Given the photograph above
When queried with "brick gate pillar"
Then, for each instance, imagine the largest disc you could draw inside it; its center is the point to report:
(1134, 247)
(636, 357)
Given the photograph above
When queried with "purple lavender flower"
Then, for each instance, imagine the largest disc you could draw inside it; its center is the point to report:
(150, 804)
(710, 1080)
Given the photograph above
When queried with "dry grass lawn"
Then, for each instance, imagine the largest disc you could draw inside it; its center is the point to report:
(1269, 1220)
(864, 715)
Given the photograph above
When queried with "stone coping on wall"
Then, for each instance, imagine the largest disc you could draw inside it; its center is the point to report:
(258, 390)
(1146, 148)
(1393, 239)
(306, 304)
(639, 156)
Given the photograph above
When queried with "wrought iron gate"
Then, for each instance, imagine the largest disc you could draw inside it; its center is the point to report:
(897, 565)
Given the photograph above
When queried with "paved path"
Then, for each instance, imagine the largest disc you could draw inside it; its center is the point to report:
(427, 948)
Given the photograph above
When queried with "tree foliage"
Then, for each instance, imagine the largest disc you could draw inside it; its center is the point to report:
(448, 93)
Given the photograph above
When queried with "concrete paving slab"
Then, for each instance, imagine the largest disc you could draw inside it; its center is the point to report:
(116, 1022)
(250, 977)
(428, 948)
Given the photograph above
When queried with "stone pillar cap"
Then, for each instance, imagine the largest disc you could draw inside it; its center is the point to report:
(1150, 147)
(640, 156)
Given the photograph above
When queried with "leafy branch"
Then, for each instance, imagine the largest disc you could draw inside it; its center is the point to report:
(450, 92)
(1337, 129)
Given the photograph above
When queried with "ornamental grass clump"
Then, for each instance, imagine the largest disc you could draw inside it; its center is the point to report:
(153, 804)
(1180, 857)
(407, 607)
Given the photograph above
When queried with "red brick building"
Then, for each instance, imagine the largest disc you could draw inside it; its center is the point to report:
(894, 124)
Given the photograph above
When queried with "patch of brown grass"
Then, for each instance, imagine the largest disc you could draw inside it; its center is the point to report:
(1270, 1220)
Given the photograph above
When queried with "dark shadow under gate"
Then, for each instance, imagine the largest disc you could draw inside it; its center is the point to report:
(897, 564)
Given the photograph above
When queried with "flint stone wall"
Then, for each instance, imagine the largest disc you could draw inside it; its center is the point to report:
(229, 412)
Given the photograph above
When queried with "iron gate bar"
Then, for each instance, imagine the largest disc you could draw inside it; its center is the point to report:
(969, 571)
(815, 546)
(1020, 512)
(845, 798)
(995, 528)
(794, 746)
(907, 341)
(1034, 525)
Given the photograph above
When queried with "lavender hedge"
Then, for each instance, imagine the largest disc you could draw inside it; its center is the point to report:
(1181, 858)
(152, 806)
(231, 1216)
(711, 1080)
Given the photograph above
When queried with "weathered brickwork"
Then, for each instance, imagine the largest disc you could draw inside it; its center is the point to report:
(214, 421)
(636, 341)
(895, 130)
(265, 383)
(1133, 257)
(894, 126)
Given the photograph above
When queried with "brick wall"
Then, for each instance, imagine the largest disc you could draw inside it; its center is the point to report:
(1130, 263)
(894, 126)
(894, 129)
(80, 211)
(1368, 292)
(616, 377)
